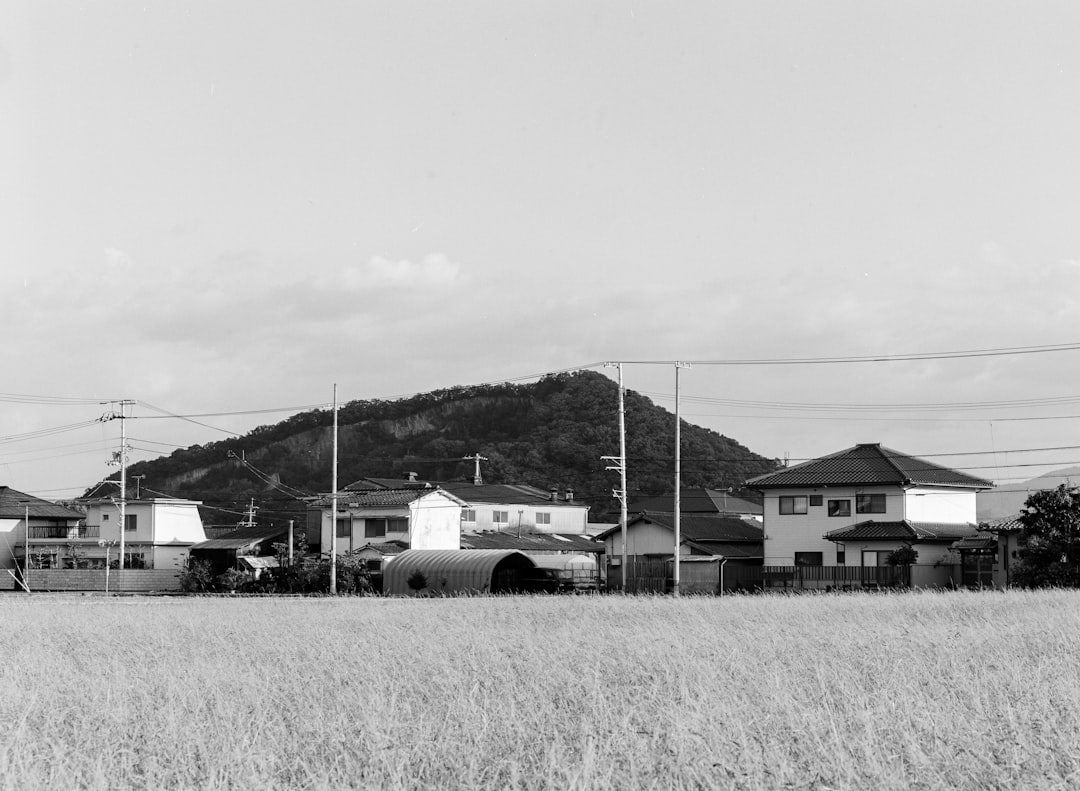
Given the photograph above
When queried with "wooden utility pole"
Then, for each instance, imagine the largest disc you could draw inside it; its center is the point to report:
(678, 480)
(333, 506)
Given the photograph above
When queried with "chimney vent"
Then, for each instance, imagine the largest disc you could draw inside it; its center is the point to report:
(554, 494)
(412, 477)
(569, 495)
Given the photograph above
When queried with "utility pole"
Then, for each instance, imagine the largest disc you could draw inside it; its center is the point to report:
(333, 507)
(477, 480)
(250, 520)
(120, 458)
(678, 479)
(620, 465)
(138, 480)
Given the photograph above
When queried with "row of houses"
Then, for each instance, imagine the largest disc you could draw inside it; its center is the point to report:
(836, 521)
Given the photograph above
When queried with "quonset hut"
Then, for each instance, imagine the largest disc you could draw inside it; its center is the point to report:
(447, 572)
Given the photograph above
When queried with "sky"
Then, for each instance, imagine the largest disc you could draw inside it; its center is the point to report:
(224, 210)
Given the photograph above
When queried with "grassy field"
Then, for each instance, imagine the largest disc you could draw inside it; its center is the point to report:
(915, 691)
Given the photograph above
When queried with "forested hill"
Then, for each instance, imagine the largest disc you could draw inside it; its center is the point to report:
(550, 433)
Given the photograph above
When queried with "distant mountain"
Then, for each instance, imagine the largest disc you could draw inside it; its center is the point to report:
(548, 434)
(1008, 500)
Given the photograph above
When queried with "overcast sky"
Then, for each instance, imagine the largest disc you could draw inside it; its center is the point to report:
(230, 207)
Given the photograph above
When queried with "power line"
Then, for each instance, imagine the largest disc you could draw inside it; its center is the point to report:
(879, 358)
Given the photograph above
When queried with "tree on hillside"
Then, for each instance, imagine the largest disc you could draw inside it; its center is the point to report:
(1050, 544)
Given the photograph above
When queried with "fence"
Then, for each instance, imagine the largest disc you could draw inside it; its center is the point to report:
(820, 577)
(125, 581)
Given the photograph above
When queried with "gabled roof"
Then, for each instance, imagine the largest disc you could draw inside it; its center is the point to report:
(902, 531)
(700, 528)
(698, 500)
(487, 493)
(1006, 524)
(867, 465)
(381, 498)
(530, 542)
(15, 505)
(384, 548)
(244, 537)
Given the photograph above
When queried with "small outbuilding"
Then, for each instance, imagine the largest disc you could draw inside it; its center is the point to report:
(448, 572)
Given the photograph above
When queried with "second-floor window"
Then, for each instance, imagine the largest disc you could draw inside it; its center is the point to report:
(543, 517)
(839, 507)
(500, 517)
(131, 522)
(793, 504)
(869, 503)
(468, 514)
(344, 528)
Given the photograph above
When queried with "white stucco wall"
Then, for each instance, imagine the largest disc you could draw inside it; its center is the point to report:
(940, 505)
(563, 518)
(434, 522)
(12, 535)
(786, 534)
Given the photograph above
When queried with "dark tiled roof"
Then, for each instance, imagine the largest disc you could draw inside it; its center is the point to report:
(375, 498)
(489, 493)
(385, 547)
(243, 537)
(530, 542)
(14, 505)
(1007, 524)
(741, 550)
(866, 465)
(902, 531)
(697, 500)
(700, 527)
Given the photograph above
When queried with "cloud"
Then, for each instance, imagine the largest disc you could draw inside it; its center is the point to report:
(117, 259)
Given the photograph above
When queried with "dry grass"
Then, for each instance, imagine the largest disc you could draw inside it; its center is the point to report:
(924, 691)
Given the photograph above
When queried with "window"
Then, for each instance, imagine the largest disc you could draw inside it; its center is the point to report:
(131, 522)
(374, 565)
(344, 528)
(500, 517)
(869, 503)
(807, 558)
(543, 517)
(839, 507)
(468, 514)
(815, 499)
(104, 517)
(841, 556)
(793, 505)
(374, 528)
(397, 524)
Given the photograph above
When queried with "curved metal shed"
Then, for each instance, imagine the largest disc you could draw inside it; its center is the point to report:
(450, 571)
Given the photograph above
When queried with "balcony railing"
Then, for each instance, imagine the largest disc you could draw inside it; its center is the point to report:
(64, 532)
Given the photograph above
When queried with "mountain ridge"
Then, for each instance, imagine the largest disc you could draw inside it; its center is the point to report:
(551, 433)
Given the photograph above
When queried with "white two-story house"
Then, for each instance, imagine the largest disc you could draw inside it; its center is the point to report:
(857, 506)
(158, 531)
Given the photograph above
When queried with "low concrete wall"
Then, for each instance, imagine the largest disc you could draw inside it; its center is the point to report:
(126, 581)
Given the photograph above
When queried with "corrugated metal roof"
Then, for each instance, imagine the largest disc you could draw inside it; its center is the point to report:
(449, 570)
(976, 542)
(902, 531)
(867, 465)
(530, 542)
(15, 504)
